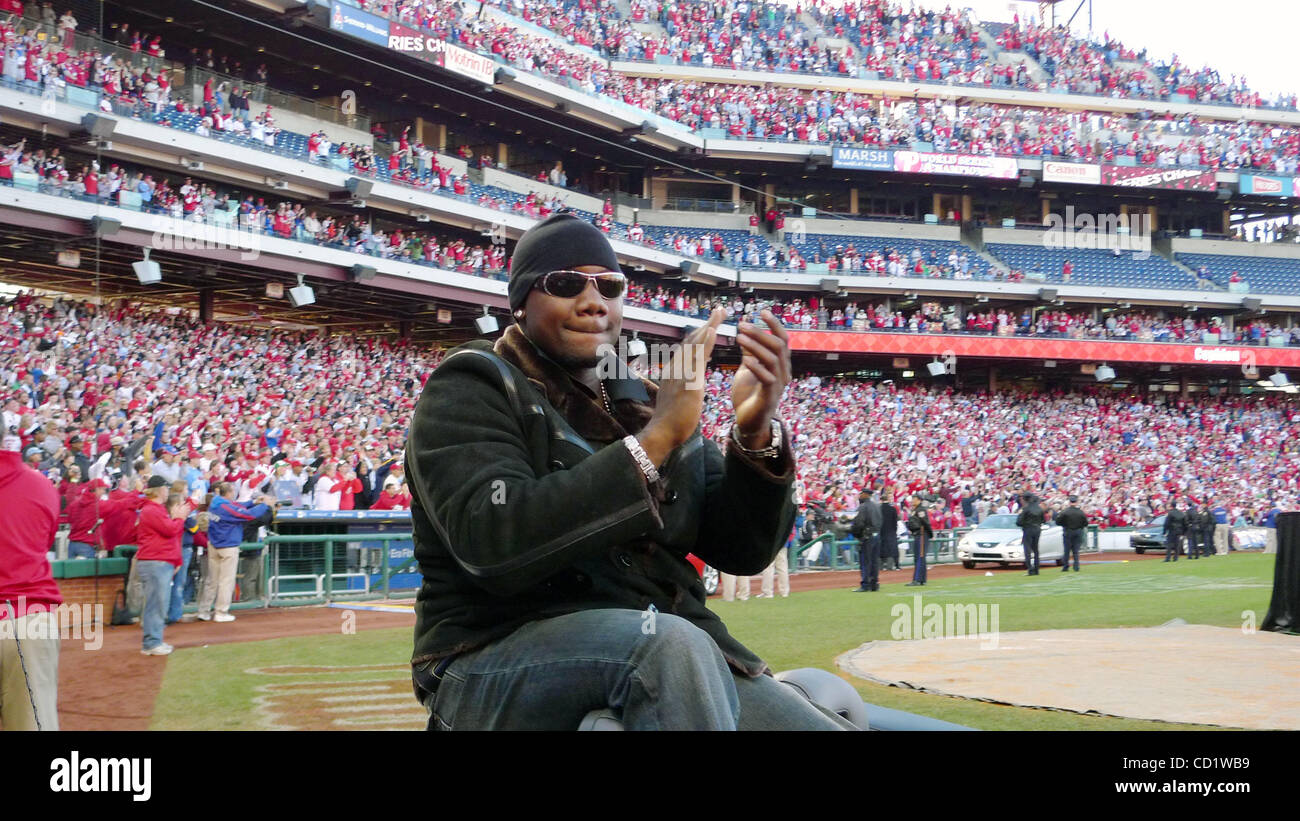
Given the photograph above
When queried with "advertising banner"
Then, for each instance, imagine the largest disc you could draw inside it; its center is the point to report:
(871, 159)
(961, 165)
(410, 41)
(1268, 186)
(1017, 347)
(1081, 173)
(358, 23)
(1174, 179)
(451, 57)
(468, 63)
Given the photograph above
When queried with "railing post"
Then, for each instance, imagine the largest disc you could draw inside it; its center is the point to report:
(329, 570)
(383, 565)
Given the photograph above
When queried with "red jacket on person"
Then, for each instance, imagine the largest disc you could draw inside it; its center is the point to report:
(159, 535)
(119, 514)
(82, 516)
(31, 519)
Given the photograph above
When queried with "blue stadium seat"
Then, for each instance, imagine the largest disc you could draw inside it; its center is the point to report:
(1269, 275)
(1096, 266)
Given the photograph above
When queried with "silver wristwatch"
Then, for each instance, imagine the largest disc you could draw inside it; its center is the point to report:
(769, 452)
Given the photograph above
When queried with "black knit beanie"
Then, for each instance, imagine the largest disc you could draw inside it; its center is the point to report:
(560, 242)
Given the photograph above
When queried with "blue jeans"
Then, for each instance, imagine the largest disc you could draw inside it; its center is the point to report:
(81, 550)
(665, 674)
(156, 578)
(176, 606)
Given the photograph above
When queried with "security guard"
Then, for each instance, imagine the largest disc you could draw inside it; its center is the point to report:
(1207, 530)
(1175, 527)
(866, 527)
(1193, 531)
(1030, 521)
(1072, 521)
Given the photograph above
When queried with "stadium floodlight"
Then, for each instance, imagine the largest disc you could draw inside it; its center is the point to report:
(1104, 373)
(486, 324)
(147, 271)
(301, 294)
(105, 226)
(358, 188)
(1279, 379)
(98, 126)
(935, 368)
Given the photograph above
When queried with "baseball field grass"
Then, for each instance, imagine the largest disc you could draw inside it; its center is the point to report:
(360, 681)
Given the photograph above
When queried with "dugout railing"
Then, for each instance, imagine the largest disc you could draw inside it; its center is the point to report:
(322, 568)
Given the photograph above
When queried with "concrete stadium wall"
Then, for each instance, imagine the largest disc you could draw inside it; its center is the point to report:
(1273, 250)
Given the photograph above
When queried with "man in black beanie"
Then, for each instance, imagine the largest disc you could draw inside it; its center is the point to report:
(554, 505)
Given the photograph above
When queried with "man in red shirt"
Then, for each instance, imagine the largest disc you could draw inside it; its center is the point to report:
(29, 668)
(158, 559)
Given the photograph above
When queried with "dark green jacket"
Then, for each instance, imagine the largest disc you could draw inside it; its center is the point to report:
(518, 520)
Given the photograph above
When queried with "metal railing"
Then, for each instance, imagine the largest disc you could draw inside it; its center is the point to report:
(701, 205)
(365, 575)
(262, 94)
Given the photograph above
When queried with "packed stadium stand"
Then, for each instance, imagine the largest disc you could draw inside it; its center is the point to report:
(447, 152)
(337, 399)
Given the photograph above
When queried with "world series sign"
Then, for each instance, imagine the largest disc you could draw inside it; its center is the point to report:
(1174, 179)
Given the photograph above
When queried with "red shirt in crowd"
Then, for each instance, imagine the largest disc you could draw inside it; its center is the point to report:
(159, 535)
(31, 519)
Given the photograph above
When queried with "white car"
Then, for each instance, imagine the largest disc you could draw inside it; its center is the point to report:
(997, 539)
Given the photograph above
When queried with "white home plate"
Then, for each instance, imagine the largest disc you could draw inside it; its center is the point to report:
(1185, 673)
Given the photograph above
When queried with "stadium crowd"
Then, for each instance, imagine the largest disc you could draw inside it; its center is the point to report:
(143, 89)
(118, 394)
(1124, 456)
(103, 398)
(841, 314)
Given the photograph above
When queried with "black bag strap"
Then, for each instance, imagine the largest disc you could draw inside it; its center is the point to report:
(556, 426)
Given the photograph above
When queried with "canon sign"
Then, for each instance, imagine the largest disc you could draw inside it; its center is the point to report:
(1216, 355)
